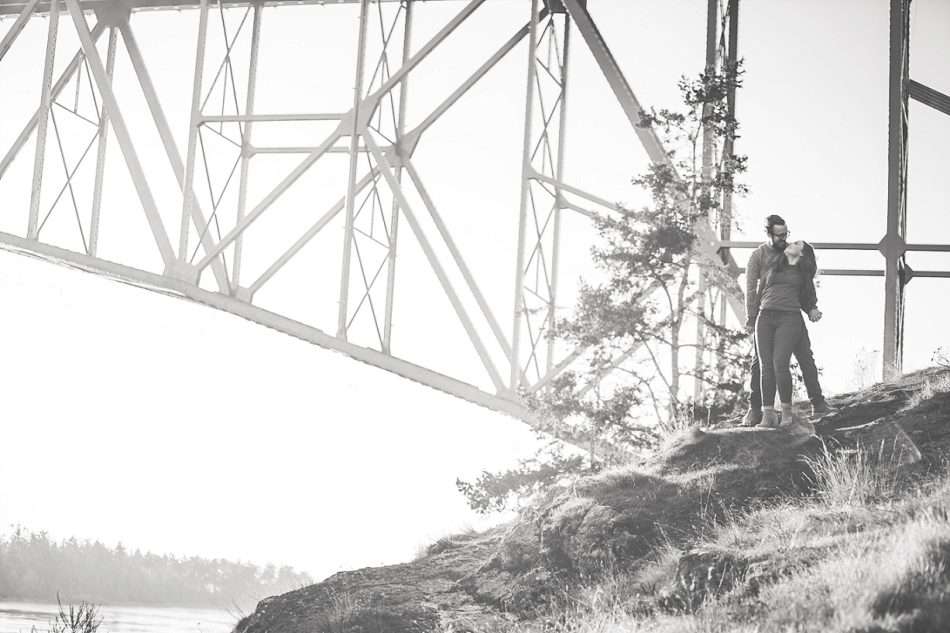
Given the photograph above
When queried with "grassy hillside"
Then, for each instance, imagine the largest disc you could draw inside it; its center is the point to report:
(865, 549)
(728, 529)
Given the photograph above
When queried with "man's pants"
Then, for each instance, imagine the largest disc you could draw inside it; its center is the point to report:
(806, 362)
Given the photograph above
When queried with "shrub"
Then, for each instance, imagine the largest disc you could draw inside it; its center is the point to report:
(76, 619)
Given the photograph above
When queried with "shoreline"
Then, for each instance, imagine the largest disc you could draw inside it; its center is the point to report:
(8, 601)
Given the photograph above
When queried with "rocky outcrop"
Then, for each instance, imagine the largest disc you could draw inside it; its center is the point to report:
(416, 597)
(611, 522)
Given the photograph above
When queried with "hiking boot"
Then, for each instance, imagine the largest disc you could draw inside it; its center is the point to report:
(795, 424)
(821, 408)
(752, 417)
(788, 418)
(769, 419)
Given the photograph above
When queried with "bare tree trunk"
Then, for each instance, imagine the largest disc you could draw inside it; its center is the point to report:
(674, 367)
(675, 327)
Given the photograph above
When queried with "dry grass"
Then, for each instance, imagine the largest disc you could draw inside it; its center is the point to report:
(867, 551)
(856, 558)
(931, 387)
(343, 605)
(893, 580)
(876, 582)
(856, 477)
(447, 541)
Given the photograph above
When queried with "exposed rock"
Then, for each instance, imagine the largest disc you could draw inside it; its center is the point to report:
(702, 573)
(415, 597)
(611, 521)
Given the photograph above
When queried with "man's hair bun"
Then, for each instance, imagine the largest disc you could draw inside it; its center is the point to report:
(773, 220)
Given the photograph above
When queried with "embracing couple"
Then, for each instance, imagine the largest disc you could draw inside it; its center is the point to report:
(780, 286)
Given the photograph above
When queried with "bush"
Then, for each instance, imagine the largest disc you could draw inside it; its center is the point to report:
(76, 619)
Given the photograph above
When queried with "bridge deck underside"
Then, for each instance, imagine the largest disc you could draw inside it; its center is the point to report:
(511, 366)
(174, 288)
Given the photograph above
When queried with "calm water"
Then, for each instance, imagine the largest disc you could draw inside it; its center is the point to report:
(20, 617)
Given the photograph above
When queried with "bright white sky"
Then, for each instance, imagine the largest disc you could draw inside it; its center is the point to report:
(169, 426)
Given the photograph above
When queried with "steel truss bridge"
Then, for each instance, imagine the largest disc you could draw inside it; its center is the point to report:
(202, 256)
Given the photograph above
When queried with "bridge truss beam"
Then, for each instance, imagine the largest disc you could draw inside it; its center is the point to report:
(383, 183)
(380, 151)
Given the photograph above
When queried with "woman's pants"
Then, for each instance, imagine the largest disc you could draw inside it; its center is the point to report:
(777, 333)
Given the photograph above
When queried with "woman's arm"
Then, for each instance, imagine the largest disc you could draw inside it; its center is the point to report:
(808, 296)
(809, 268)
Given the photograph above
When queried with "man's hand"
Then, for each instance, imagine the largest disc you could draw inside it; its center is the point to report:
(814, 315)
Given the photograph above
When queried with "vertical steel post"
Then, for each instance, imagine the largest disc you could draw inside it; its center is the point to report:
(728, 154)
(246, 143)
(45, 102)
(188, 186)
(559, 178)
(728, 145)
(351, 178)
(101, 150)
(712, 32)
(402, 151)
(893, 246)
(525, 190)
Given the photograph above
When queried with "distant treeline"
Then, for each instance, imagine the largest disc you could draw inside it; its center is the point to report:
(34, 567)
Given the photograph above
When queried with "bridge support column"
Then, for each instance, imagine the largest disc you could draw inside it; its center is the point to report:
(892, 245)
(32, 231)
(559, 203)
(403, 150)
(518, 304)
(246, 146)
(542, 199)
(188, 185)
(712, 30)
(728, 155)
(101, 150)
(722, 31)
(355, 127)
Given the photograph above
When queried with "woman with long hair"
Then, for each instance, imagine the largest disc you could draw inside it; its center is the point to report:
(779, 327)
